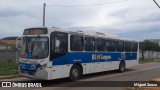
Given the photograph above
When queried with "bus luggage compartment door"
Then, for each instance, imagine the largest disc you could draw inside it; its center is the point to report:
(98, 66)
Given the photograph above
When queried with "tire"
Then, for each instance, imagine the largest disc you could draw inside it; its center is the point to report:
(122, 67)
(74, 73)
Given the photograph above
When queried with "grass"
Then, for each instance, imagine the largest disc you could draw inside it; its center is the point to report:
(8, 68)
(146, 61)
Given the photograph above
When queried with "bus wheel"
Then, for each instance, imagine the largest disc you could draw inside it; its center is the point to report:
(74, 73)
(122, 66)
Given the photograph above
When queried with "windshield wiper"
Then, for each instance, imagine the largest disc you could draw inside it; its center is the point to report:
(34, 43)
(27, 44)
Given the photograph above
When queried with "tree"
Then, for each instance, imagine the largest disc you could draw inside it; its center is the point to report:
(146, 45)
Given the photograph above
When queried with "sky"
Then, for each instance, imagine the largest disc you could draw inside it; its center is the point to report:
(133, 19)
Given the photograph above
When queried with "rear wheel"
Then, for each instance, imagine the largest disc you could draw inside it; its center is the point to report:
(74, 73)
(122, 66)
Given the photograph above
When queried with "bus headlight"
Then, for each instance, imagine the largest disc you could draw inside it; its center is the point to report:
(41, 67)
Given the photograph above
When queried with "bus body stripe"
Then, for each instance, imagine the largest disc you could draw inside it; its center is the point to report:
(90, 57)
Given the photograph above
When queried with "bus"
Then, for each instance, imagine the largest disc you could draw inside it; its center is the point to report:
(53, 53)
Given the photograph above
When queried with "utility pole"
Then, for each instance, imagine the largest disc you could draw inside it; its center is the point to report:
(44, 12)
(157, 51)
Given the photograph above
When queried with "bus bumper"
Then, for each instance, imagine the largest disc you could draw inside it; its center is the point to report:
(42, 75)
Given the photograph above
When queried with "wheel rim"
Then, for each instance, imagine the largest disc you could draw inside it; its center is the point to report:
(75, 72)
(122, 67)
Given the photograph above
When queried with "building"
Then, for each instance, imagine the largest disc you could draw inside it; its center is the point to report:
(8, 44)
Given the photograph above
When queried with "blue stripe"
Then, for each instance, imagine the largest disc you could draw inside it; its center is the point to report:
(90, 57)
(29, 67)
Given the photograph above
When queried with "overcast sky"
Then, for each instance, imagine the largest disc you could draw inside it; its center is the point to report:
(134, 19)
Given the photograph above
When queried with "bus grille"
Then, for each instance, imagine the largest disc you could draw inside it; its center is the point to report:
(27, 72)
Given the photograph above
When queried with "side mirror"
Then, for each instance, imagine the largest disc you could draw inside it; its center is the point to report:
(17, 40)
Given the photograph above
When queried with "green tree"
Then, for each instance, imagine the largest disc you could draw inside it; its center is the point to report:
(146, 45)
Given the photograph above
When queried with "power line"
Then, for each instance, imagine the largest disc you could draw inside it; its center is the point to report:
(44, 6)
(87, 5)
(156, 3)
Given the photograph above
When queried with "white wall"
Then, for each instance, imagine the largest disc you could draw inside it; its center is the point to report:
(150, 55)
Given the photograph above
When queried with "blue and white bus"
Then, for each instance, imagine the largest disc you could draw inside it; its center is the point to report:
(52, 53)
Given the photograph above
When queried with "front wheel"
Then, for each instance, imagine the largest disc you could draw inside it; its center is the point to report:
(122, 66)
(74, 73)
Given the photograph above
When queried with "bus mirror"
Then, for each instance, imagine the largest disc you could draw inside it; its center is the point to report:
(17, 43)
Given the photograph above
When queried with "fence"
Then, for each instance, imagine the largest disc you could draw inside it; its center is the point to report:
(8, 55)
(8, 62)
(150, 55)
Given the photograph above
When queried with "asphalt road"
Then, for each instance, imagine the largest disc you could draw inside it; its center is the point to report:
(141, 72)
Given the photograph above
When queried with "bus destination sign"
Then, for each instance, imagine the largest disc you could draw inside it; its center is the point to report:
(35, 31)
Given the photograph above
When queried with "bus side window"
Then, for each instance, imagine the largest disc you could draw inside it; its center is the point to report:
(128, 46)
(111, 45)
(120, 46)
(57, 45)
(77, 43)
(89, 44)
(106, 45)
(100, 44)
(59, 42)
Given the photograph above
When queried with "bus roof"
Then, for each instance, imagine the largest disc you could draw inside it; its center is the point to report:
(92, 34)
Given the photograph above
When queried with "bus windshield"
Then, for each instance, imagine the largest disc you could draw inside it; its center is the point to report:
(34, 47)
